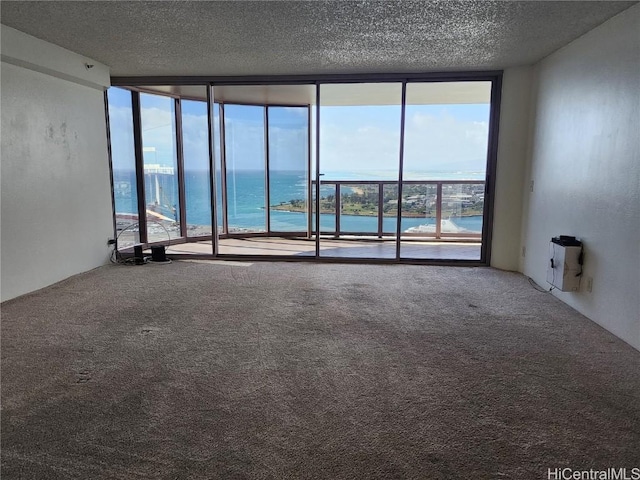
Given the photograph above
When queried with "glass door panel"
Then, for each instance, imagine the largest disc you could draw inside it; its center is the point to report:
(217, 159)
(359, 148)
(158, 122)
(195, 145)
(289, 169)
(445, 146)
(124, 166)
(244, 130)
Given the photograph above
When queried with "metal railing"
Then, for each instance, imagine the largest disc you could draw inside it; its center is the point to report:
(438, 195)
(440, 199)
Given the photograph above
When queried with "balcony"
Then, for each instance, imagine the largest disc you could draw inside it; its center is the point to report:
(429, 209)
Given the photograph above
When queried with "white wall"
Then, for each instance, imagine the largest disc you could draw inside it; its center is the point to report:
(56, 203)
(511, 168)
(585, 162)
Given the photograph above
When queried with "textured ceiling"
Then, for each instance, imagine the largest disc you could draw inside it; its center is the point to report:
(313, 37)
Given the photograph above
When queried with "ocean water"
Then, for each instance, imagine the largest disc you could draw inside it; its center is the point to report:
(246, 200)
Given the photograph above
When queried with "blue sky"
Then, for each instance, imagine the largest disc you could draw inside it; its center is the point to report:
(438, 137)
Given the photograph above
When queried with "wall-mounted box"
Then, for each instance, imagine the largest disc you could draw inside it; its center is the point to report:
(565, 263)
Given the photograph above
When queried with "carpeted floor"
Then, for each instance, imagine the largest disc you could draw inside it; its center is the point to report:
(296, 370)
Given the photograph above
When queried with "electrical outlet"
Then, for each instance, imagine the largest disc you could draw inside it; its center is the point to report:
(589, 284)
(531, 186)
(524, 251)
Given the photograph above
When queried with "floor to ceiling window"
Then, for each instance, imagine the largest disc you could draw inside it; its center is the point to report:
(444, 169)
(288, 137)
(197, 173)
(359, 151)
(401, 169)
(160, 160)
(220, 199)
(123, 164)
(244, 140)
(265, 138)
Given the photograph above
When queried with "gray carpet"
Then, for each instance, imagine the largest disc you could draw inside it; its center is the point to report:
(298, 370)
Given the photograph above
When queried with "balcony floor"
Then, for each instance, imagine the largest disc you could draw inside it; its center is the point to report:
(338, 248)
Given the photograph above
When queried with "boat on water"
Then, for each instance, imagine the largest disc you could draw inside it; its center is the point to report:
(446, 226)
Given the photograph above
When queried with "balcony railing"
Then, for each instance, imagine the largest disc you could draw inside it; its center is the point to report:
(432, 209)
(439, 200)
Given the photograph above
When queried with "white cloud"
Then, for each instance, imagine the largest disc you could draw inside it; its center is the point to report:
(439, 142)
(288, 148)
(195, 141)
(445, 143)
(358, 148)
(158, 130)
(121, 125)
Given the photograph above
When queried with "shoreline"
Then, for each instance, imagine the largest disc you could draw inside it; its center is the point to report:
(404, 215)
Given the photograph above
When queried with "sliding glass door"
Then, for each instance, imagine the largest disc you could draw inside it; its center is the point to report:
(123, 165)
(197, 173)
(244, 128)
(359, 159)
(288, 135)
(160, 160)
(444, 169)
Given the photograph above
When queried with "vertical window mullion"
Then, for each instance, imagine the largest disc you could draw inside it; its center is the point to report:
(267, 195)
(223, 170)
(139, 157)
(110, 155)
(401, 168)
(212, 170)
(490, 175)
(181, 178)
(309, 179)
(317, 199)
